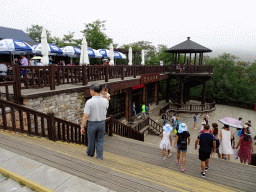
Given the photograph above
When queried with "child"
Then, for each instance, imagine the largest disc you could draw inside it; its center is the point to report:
(104, 92)
(166, 140)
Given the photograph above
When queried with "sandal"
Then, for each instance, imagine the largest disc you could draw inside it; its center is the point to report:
(170, 155)
(164, 158)
(178, 163)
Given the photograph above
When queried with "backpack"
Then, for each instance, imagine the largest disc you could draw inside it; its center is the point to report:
(163, 116)
(183, 142)
(146, 108)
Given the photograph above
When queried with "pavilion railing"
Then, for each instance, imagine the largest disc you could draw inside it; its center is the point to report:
(192, 107)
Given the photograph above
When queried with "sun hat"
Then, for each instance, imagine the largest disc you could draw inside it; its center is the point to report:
(182, 127)
(167, 127)
(245, 126)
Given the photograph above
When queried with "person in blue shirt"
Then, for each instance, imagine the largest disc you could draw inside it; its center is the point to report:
(207, 144)
(195, 120)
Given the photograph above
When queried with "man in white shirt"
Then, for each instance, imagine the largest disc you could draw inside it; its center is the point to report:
(95, 111)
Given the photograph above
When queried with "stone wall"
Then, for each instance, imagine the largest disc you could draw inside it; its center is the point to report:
(68, 106)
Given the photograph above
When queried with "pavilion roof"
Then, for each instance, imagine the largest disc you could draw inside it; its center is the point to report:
(188, 46)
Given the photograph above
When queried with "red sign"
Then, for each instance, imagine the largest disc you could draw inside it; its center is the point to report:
(137, 87)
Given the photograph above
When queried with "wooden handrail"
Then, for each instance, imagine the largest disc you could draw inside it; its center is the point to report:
(155, 125)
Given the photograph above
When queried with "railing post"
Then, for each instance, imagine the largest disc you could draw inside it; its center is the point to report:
(106, 73)
(51, 127)
(111, 126)
(84, 75)
(122, 72)
(52, 77)
(134, 71)
(17, 88)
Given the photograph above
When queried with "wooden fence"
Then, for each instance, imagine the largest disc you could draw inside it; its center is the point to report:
(22, 119)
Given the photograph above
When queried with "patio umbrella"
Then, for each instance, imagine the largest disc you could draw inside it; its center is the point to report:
(14, 46)
(130, 56)
(52, 49)
(94, 53)
(71, 51)
(111, 55)
(142, 58)
(44, 48)
(117, 55)
(231, 122)
(84, 59)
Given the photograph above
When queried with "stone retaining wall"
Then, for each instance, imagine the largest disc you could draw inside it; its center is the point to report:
(68, 106)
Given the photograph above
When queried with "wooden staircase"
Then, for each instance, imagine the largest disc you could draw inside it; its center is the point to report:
(132, 165)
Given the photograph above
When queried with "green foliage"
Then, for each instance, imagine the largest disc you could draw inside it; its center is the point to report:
(168, 58)
(95, 37)
(6, 176)
(22, 184)
(231, 80)
(35, 32)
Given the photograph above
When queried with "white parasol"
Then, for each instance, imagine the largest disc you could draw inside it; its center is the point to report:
(130, 56)
(44, 48)
(142, 58)
(111, 55)
(84, 59)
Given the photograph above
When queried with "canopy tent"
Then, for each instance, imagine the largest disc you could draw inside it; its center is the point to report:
(52, 49)
(14, 46)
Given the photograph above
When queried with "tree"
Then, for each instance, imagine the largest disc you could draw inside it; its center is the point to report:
(95, 37)
(35, 32)
(168, 58)
(149, 50)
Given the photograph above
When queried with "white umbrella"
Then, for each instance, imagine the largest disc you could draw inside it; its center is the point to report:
(142, 58)
(111, 55)
(84, 59)
(44, 48)
(130, 56)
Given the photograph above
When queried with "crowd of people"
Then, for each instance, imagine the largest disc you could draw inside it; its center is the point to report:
(210, 139)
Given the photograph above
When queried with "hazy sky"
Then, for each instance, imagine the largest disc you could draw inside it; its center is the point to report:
(225, 24)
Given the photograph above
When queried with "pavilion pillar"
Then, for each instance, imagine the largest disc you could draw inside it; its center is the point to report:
(190, 58)
(156, 93)
(204, 92)
(175, 58)
(128, 103)
(127, 58)
(178, 58)
(195, 59)
(167, 92)
(185, 58)
(181, 92)
(145, 95)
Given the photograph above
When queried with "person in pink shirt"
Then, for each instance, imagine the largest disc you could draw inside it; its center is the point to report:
(24, 61)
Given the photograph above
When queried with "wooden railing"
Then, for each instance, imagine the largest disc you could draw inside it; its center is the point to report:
(164, 109)
(126, 131)
(49, 76)
(22, 119)
(192, 107)
(15, 97)
(141, 125)
(155, 125)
